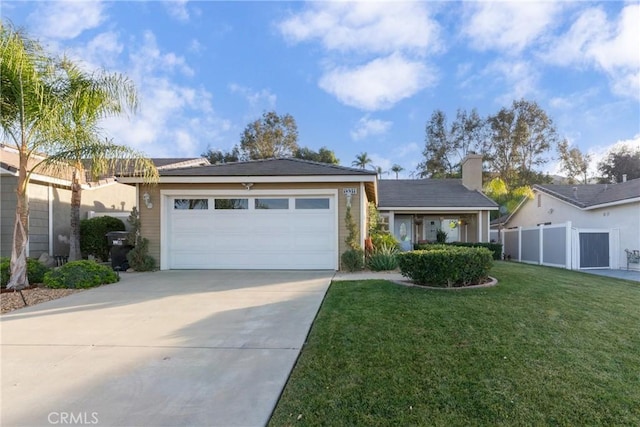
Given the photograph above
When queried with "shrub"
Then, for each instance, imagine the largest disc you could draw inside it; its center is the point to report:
(441, 236)
(35, 271)
(79, 275)
(495, 248)
(92, 235)
(353, 260)
(383, 258)
(446, 266)
(139, 258)
(384, 239)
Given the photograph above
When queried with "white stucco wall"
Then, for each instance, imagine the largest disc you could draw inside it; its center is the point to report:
(625, 218)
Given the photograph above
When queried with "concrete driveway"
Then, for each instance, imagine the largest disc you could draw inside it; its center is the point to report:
(171, 348)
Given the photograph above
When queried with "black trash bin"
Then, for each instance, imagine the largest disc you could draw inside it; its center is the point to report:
(118, 249)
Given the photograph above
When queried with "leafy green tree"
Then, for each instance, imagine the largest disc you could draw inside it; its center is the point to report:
(86, 99)
(446, 145)
(219, 156)
(396, 168)
(380, 171)
(438, 148)
(362, 161)
(574, 163)
(29, 115)
(468, 134)
(507, 198)
(270, 137)
(624, 161)
(323, 155)
(520, 137)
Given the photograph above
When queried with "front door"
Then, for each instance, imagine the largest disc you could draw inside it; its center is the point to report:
(403, 230)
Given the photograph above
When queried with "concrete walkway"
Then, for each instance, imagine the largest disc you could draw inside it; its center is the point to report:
(174, 348)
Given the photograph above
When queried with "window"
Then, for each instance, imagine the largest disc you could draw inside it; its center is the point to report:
(191, 204)
(231, 203)
(312, 203)
(272, 203)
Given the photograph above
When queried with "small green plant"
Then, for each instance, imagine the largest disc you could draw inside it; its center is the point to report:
(138, 257)
(441, 236)
(93, 240)
(35, 271)
(80, 275)
(383, 238)
(495, 248)
(383, 258)
(352, 239)
(352, 260)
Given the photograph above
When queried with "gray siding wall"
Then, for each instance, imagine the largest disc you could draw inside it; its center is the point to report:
(7, 212)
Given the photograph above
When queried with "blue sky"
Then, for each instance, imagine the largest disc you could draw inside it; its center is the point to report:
(356, 76)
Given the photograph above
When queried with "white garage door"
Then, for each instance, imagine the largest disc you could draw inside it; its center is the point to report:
(239, 232)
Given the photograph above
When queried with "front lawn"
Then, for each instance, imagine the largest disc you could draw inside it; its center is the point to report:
(544, 347)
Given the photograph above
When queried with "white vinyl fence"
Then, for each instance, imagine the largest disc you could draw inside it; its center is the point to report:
(560, 245)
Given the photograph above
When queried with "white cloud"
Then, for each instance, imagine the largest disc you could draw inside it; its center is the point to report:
(408, 149)
(66, 19)
(378, 84)
(368, 127)
(518, 78)
(366, 27)
(612, 47)
(386, 42)
(173, 117)
(102, 51)
(260, 100)
(177, 9)
(509, 27)
(150, 58)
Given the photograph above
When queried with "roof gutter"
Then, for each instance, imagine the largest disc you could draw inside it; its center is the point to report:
(248, 178)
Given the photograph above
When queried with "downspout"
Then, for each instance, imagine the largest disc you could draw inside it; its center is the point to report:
(50, 196)
(364, 209)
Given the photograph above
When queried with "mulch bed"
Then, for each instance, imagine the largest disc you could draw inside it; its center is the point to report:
(35, 294)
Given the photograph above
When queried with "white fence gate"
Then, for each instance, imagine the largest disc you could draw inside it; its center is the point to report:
(560, 245)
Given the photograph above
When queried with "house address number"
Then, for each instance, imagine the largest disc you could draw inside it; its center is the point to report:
(350, 191)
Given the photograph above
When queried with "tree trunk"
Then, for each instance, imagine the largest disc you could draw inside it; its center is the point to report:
(18, 266)
(74, 237)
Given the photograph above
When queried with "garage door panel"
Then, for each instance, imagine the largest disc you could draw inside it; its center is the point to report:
(252, 238)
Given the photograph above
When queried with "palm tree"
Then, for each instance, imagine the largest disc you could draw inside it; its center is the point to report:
(380, 171)
(397, 169)
(86, 99)
(28, 116)
(362, 160)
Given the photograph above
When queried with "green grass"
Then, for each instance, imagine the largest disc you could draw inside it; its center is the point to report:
(544, 347)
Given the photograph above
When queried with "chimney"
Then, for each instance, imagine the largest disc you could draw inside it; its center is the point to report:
(624, 177)
(472, 172)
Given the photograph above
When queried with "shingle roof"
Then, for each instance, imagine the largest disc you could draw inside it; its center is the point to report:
(429, 193)
(589, 195)
(267, 167)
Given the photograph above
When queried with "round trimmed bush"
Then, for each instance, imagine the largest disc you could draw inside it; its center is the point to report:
(80, 275)
(446, 266)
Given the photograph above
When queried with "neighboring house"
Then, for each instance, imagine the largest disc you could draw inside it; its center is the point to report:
(50, 203)
(605, 219)
(264, 214)
(415, 210)
(290, 213)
